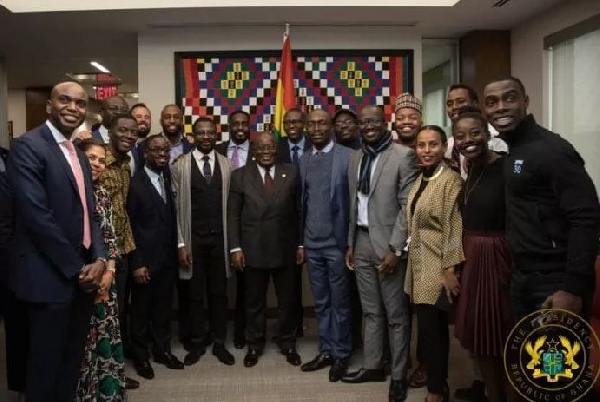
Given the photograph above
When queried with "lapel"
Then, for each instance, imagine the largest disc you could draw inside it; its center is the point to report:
(385, 155)
(334, 170)
(153, 193)
(279, 179)
(59, 156)
(257, 182)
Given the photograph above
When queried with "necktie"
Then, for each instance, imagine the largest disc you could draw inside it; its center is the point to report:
(235, 159)
(161, 185)
(268, 181)
(78, 173)
(206, 169)
(295, 149)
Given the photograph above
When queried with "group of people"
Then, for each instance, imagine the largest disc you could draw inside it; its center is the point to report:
(102, 228)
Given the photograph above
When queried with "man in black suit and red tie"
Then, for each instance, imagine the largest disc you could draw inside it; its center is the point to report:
(262, 212)
(58, 253)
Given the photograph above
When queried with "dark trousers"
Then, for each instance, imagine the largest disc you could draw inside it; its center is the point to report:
(150, 313)
(209, 281)
(357, 313)
(58, 333)
(239, 320)
(435, 340)
(16, 332)
(257, 284)
(298, 298)
(122, 278)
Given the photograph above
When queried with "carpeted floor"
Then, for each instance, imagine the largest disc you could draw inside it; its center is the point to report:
(271, 380)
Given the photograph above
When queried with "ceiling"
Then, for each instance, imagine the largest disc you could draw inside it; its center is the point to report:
(39, 48)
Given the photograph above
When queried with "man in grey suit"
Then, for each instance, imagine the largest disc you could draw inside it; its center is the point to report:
(380, 177)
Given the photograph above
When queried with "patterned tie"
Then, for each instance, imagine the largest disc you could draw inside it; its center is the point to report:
(78, 173)
(268, 181)
(235, 158)
(295, 149)
(206, 169)
(161, 185)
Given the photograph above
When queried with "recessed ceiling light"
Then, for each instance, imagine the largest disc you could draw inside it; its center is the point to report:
(100, 67)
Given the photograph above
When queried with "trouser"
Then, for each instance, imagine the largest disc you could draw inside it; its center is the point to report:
(432, 325)
(239, 320)
(123, 278)
(298, 297)
(14, 313)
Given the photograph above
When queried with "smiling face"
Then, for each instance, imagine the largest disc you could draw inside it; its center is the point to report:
(123, 134)
(265, 149)
(205, 136)
(372, 126)
(505, 105)
(157, 153)
(346, 127)
(67, 107)
(96, 154)
(408, 123)
(471, 137)
(112, 107)
(239, 128)
(171, 120)
(456, 99)
(293, 124)
(141, 114)
(319, 128)
(430, 148)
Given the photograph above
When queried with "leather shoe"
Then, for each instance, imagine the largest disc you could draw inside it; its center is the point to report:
(398, 390)
(169, 360)
(338, 370)
(144, 369)
(251, 357)
(239, 342)
(223, 354)
(130, 383)
(364, 375)
(292, 356)
(196, 352)
(319, 362)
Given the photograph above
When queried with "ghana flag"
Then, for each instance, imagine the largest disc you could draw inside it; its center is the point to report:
(286, 94)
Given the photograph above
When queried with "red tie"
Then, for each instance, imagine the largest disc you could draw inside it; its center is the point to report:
(78, 173)
(268, 180)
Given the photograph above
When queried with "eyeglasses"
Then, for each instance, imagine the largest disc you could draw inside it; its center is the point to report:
(342, 123)
(366, 122)
(293, 121)
(164, 150)
(211, 134)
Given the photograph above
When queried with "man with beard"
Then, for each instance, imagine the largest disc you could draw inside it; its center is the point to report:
(408, 119)
(142, 116)
(171, 120)
(346, 128)
(58, 251)
(553, 216)
(201, 185)
(377, 235)
(239, 151)
(154, 262)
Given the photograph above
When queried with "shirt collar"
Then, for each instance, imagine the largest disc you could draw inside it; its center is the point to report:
(243, 146)
(111, 159)
(262, 170)
(58, 136)
(300, 143)
(198, 155)
(152, 174)
(327, 148)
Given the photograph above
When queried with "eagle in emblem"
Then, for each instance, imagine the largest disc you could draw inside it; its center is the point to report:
(570, 351)
(534, 352)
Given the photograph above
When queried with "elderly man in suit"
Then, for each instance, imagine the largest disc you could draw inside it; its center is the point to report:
(324, 231)
(201, 185)
(380, 177)
(263, 238)
(154, 262)
(58, 253)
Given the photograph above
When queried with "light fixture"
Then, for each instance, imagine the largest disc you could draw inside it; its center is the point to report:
(100, 67)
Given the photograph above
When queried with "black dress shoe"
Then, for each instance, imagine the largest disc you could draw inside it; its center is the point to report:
(338, 370)
(239, 342)
(475, 393)
(130, 383)
(364, 375)
(169, 360)
(292, 356)
(144, 369)
(398, 390)
(319, 362)
(223, 354)
(251, 357)
(196, 352)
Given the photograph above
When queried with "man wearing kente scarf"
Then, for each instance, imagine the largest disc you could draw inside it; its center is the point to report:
(380, 176)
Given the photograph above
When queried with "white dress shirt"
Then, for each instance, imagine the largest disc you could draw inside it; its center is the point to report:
(300, 146)
(104, 134)
(327, 148)
(155, 180)
(60, 140)
(242, 151)
(362, 218)
(197, 155)
(262, 172)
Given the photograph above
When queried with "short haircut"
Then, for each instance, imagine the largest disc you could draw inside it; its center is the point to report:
(471, 112)
(86, 144)
(138, 105)
(438, 129)
(510, 78)
(296, 110)
(472, 93)
(152, 137)
(118, 117)
(204, 119)
(238, 112)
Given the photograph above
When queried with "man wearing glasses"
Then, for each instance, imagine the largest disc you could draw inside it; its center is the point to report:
(347, 132)
(201, 186)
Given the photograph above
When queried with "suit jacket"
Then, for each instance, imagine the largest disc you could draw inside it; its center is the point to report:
(139, 148)
(47, 254)
(181, 181)
(153, 223)
(283, 149)
(264, 226)
(338, 199)
(394, 175)
(222, 149)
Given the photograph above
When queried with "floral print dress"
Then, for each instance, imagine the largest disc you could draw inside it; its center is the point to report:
(102, 377)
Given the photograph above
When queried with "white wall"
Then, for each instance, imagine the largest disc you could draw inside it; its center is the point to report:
(17, 111)
(156, 69)
(528, 58)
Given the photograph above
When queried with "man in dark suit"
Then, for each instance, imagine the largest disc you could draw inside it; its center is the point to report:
(57, 260)
(324, 230)
(154, 262)
(262, 212)
(238, 149)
